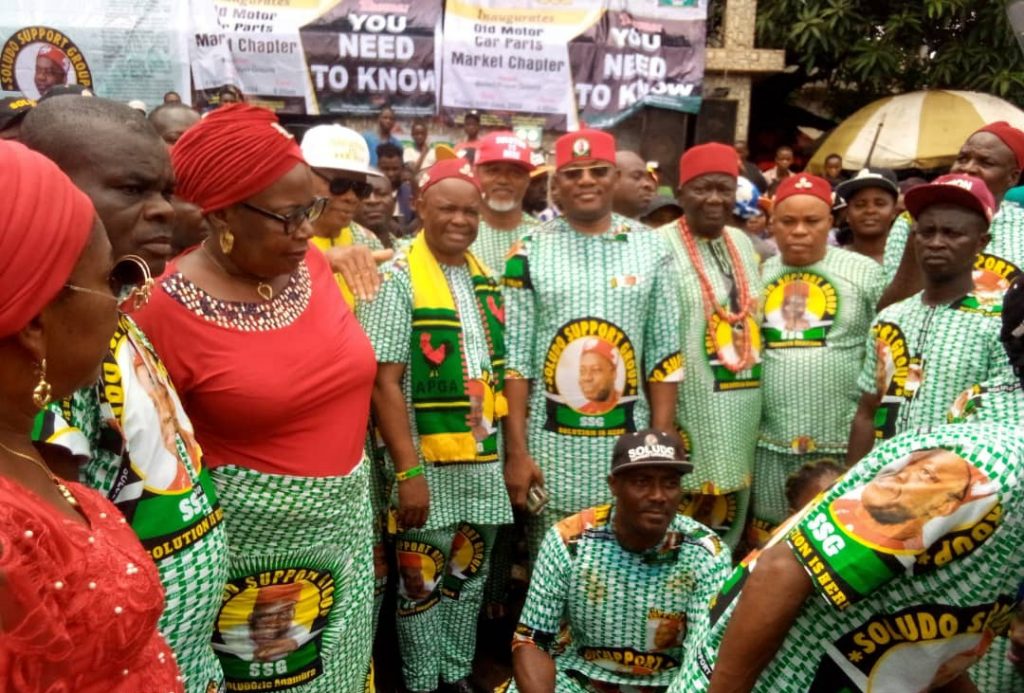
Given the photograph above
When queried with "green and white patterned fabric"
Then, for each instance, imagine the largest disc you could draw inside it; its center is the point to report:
(492, 245)
(1001, 403)
(590, 319)
(995, 673)
(920, 357)
(719, 411)
(441, 579)
(630, 616)
(296, 610)
(815, 322)
(458, 492)
(996, 266)
(916, 559)
(142, 454)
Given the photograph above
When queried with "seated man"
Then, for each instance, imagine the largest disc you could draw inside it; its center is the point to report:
(927, 348)
(896, 579)
(632, 579)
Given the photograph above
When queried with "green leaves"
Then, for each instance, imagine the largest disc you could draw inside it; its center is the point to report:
(875, 47)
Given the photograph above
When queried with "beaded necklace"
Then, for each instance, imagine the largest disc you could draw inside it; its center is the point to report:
(744, 358)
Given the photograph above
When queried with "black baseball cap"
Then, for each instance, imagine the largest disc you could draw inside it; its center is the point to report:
(13, 109)
(660, 202)
(67, 90)
(650, 448)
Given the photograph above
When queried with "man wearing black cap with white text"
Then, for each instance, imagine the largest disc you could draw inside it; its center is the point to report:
(633, 579)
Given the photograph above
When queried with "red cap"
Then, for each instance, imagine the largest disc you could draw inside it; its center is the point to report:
(55, 54)
(708, 158)
(1011, 137)
(583, 146)
(953, 188)
(804, 184)
(596, 345)
(445, 169)
(504, 146)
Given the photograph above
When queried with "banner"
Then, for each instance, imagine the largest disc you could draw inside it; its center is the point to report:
(120, 49)
(593, 60)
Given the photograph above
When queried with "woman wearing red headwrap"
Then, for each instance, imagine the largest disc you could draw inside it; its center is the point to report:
(276, 375)
(79, 596)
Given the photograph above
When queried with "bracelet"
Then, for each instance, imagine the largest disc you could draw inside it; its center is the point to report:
(410, 473)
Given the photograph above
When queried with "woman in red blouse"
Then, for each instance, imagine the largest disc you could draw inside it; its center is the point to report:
(276, 375)
(79, 595)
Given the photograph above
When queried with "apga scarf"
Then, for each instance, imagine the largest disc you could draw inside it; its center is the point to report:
(456, 416)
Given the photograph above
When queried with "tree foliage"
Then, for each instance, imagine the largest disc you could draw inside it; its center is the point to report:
(865, 49)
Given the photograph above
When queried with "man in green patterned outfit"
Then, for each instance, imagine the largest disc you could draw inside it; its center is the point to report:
(999, 671)
(437, 327)
(818, 305)
(629, 581)
(503, 166)
(923, 350)
(719, 288)
(130, 428)
(995, 154)
(593, 322)
(896, 580)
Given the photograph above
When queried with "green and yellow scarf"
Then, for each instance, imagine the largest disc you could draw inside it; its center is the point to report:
(456, 416)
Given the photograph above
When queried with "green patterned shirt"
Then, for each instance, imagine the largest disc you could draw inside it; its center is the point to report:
(920, 357)
(1001, 402)
(142, 454)
(996, 266)
(911, 586)
(630, 615)
(492, 245)
(458, 492)
(590, 318)
(719, 411)
(815, 319)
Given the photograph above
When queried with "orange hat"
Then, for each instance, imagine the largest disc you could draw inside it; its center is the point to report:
(285, 592)
(708, 158)
(503, 146)
(584, 146)
(796, 289)
(596, 345)
(410, 559)
(804, 184)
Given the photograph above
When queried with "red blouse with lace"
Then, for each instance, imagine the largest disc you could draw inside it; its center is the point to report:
(78, 604)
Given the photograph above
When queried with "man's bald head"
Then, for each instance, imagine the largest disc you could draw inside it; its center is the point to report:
(635, 188)
(171, 120)
(73, 130)
(116, 157)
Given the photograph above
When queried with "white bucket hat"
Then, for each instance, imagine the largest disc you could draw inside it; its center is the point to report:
(338, 148)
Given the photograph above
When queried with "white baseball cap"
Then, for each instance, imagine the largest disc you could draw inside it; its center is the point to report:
(338, 148)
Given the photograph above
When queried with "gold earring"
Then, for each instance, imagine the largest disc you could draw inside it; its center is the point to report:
(43, 393)
(227, 242)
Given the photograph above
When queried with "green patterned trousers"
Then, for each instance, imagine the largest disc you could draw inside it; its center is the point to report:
(441, 578)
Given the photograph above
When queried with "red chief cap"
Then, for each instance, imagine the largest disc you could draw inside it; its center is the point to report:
(285, 592)
(1011, 137)
(232, 154)
(804, 184)
(504, 146)
(448, 168)
(955, 189)
(708, 158)
(45, 223)
(55, 54)
(584, 146)
(598, 346)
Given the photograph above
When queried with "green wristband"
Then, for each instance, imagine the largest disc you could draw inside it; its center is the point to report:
(410, 473)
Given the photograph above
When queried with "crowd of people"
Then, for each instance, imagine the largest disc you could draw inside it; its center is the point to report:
(268, 399)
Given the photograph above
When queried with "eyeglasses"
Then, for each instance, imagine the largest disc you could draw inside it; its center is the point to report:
(341, 185)
(131, 284)
(293, 221)
(596, 172)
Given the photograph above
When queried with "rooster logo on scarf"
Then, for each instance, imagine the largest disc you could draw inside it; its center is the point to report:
(435, 356)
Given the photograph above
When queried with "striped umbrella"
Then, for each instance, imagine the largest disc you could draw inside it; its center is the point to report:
(922, 129)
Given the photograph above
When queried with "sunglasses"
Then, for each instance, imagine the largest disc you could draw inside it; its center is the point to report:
(340, 186)
(596, 172)
(130, 281)
(293, 221)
